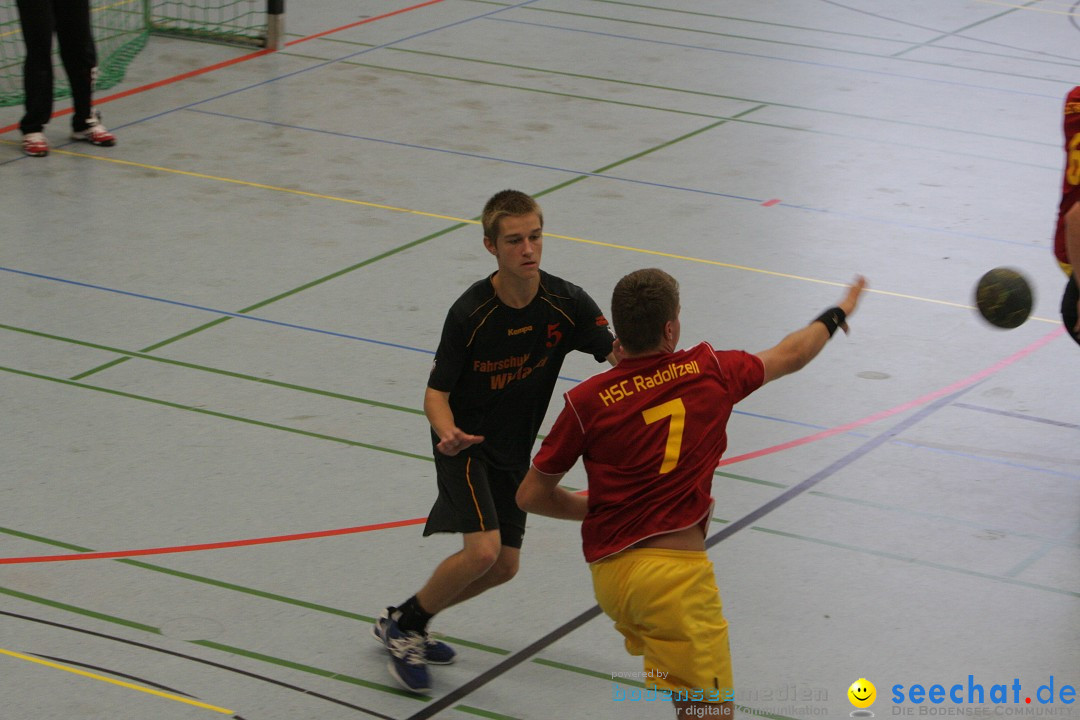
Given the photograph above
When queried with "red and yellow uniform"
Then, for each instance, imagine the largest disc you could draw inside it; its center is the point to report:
(1070, 186)
(651, 432)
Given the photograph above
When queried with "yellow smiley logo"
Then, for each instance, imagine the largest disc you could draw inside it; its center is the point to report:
(862, 693)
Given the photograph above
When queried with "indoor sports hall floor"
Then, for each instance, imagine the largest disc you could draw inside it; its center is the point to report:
(218, 332)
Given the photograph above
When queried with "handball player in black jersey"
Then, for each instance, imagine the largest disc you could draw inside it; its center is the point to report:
(501, 350)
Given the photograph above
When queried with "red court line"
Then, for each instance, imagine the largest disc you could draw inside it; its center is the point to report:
(211, 546)
(929, 397)
(227, 63)
(770, 203)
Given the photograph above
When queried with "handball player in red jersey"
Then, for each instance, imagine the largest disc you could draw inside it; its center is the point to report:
(651, 431)
(1067, 237)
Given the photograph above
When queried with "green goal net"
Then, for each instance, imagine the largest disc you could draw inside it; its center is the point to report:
(122, 27)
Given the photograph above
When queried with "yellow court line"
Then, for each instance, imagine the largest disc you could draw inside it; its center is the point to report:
(803, 278)
(628, 248)
(92, 676)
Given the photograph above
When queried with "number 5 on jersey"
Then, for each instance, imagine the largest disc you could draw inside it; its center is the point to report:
(677, 412)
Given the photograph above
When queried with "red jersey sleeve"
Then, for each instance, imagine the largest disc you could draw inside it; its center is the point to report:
(743, 371)
(563, 446)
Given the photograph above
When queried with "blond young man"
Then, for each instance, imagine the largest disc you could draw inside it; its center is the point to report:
(502, 346)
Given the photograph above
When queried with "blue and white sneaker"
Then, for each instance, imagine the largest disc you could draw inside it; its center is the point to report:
(406, 664)
(436, 652)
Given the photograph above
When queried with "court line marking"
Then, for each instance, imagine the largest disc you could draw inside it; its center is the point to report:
(392, 251)
(1068, 13)
(224, 64)
(120, 683)
(416, 411)
(828, 66)
(199, 547)
(807, 46)
(602, 175)
(463, 221)
(965, 132)
(861, 36)
(249, 654)
(932, 397)
(927, 398)
(210, 663)
(939, 399)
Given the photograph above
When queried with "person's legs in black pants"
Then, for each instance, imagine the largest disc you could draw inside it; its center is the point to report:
(77, 53)
(36, 20)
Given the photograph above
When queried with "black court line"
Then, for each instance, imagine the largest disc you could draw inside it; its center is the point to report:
(1019, 416)
(729, 530)
(114, 673)
(211, 663)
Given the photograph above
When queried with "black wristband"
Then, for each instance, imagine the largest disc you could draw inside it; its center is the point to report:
(832, 318)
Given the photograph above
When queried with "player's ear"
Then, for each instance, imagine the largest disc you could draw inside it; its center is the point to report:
(489, 244)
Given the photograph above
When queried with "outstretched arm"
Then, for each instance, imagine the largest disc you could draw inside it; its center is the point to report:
(800, 347)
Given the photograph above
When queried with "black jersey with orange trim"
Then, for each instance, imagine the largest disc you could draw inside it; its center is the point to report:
(500, 364)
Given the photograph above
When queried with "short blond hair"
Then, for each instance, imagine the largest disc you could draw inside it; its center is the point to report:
(507, 203)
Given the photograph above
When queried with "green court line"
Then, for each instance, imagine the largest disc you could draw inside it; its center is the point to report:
(310, 669)
(755, 481)
(113, 619)
(766, 41)
(1041, 553)
(966, 27)
(206, 368)
(703, 93)
(376, 258)
(214, 413)
(937, 516)
(1065, 61)
(350, 398)
(56, 605)
(281, 296)
(877, 140)
(750, 21)
(911, 560)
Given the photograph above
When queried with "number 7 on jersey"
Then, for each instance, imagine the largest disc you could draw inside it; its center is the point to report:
(677, 412)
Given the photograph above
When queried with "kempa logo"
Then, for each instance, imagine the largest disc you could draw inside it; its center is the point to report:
(518, 331)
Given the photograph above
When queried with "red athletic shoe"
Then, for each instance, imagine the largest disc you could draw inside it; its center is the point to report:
(35, 144)
(95, 133)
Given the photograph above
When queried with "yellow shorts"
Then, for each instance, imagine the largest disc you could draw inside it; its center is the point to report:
(667, 606)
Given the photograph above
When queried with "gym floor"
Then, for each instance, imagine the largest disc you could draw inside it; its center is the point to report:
(216, 336)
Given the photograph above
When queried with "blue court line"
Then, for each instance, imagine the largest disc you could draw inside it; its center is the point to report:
(1042, 248)
(331, 62)
(566, 628)
(299, 72)
(991, 460)
(829, 66)
(203, 308)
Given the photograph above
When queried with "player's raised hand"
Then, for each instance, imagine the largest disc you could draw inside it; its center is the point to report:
(851, 300)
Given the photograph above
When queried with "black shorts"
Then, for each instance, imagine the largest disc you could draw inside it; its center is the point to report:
(475, 497)
(1068, 307)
